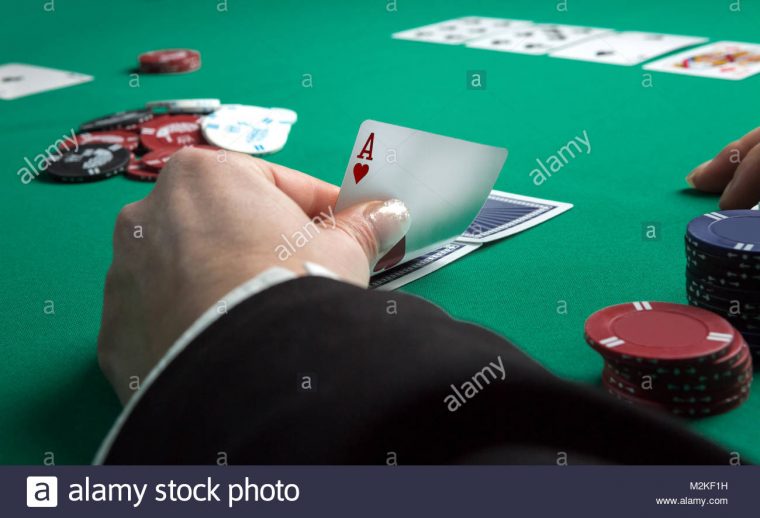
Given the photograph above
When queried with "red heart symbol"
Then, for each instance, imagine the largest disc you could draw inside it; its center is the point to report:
(360, 171)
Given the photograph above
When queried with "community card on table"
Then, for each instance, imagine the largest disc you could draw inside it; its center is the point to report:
(443, 181)
(626, 48)
(19, 80)
(459, 30)
(723, 60)
(536, 39)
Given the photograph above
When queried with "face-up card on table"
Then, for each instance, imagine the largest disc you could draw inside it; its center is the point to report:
(19, 80)
(626, 48)
(443, 181)
(459, 30)
(536, 39)
(723, 60)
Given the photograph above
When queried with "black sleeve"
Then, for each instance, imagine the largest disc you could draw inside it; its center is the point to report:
(318, 371)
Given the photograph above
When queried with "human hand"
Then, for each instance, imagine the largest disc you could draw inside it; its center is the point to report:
(214, 220)
(735, 172)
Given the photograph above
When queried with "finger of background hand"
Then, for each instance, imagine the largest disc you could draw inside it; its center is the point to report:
(313, 195)
(714, 176)
(743, 192)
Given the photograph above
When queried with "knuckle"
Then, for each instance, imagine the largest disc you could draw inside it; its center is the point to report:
(187, 160)
(126, 222)
(127, 215)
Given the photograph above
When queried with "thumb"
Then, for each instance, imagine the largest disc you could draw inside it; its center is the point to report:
(376, 226)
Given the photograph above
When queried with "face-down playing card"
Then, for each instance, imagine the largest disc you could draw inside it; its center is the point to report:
(443, 181)
(503, 215)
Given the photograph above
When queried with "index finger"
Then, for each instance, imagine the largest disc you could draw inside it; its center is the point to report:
(715, 175)
(313, 195)
(744, 189)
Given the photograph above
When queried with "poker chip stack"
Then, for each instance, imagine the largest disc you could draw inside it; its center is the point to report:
(723, 269)
(680, 359)
(139, 143)
(170, 61)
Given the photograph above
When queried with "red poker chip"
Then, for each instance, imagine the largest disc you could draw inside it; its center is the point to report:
(658, 331)
(158, 158)
(171, 131)
(679, 391)
(684, 410)
(136, 170)
(160, 57)
(169, 61)
(189, 65)
(125, 139)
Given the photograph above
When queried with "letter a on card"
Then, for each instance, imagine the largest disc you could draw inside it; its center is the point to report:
(361, 170)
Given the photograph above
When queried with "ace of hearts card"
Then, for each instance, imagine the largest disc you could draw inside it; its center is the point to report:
(443, 182)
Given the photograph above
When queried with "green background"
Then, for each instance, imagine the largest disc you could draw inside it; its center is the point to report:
(56, 241)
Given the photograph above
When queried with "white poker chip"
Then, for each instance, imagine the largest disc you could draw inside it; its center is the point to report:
(284, 115)
(248, 129)
(186, 105)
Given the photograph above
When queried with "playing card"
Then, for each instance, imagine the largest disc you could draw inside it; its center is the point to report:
(402, 274)
(443, 182)
(19, 80)
(626, 48)
(459, 30)
(723, 60)
(536, 39)
(505, 214)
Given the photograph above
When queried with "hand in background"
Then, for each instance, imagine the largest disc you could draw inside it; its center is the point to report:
(735, 172)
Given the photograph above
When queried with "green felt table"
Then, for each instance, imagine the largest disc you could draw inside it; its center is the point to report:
(56, 240)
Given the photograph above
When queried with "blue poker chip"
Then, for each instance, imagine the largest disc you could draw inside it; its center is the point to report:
(728, 233)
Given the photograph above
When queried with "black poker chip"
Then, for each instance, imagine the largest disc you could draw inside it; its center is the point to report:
(118, 120)
(89, 162)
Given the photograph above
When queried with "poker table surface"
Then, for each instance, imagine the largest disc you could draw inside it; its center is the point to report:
(336, 64)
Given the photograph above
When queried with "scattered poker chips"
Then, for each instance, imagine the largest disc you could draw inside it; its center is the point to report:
(723, 269)
(128, 120)
(138, 170)
(139, 143)
(158, 158)
(170, 61)
(196, 106)
(681, 359)
(171, 131)
(88, 162)
(125, 139)
(249, 129)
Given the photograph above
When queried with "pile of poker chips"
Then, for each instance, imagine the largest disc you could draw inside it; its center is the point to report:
(170, 61)
(680, 359)
(139, 143)
(723, 269)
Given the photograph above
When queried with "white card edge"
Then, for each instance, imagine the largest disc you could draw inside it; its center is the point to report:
(430, 268)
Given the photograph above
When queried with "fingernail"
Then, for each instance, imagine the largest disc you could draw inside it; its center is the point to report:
(390, 220)
(697, 170)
